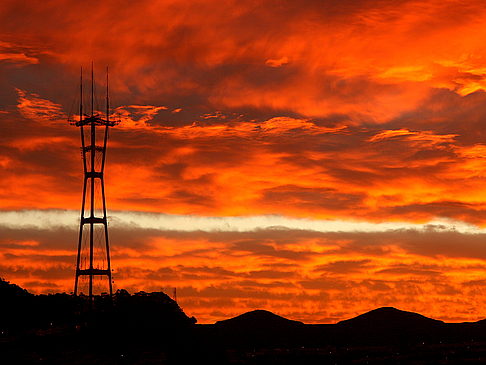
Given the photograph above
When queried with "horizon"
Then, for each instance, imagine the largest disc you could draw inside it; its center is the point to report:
(315, 160)
(253, 311)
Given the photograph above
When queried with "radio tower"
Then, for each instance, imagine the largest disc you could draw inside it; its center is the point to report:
(93, 257)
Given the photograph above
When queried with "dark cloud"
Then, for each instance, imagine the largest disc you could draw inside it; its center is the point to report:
(345, 266)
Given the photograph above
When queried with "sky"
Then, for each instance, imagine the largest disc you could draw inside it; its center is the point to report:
(317, 159)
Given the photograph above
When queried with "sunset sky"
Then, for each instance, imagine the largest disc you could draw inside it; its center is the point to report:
(317, 159)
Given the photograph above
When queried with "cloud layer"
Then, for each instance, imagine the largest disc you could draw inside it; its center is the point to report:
(285, 155)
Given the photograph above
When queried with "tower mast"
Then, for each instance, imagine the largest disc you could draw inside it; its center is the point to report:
(93, 206)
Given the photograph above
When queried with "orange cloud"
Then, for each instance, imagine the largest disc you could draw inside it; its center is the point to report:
(227, 167)
(392, 53)
(310, 276)
(34, 107)
(425, 136)
(277, 62)
(16, 55)
(364, 111)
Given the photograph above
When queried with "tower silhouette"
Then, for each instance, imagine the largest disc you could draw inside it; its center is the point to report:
(93, 258)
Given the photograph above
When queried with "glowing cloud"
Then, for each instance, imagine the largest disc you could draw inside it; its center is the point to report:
(267, 151)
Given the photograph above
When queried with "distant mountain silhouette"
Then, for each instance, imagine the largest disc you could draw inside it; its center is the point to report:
(389, 325)
(256, 328)
(389, 318)
(258, 319)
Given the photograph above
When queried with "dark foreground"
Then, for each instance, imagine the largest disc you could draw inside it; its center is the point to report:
(150, 328)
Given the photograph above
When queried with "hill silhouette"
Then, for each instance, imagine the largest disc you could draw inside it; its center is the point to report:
(390, 317)
(258, 319)
(389, 325)
(21, 310)
(64, 329)
(10, 290)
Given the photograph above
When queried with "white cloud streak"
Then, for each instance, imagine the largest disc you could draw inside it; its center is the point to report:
(69, 219)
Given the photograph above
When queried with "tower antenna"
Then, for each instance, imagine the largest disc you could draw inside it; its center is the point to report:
(81, 94)
(92, 89)
(107, 95)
